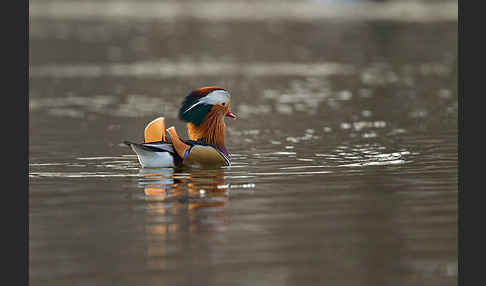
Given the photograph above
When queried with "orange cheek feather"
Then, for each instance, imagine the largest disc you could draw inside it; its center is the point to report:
(212, 128)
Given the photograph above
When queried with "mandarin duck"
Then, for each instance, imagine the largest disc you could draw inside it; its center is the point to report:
(204, 110)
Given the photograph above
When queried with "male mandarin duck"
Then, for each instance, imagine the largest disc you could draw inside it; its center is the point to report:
(204, 110)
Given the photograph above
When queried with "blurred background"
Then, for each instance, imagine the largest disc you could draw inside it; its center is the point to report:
(344, 153)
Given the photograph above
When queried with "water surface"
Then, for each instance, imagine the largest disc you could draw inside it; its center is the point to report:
(344, 154)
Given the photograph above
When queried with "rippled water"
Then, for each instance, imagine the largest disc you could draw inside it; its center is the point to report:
(344, 154)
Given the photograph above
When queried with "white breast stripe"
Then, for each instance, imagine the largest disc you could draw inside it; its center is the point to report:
(225, 158)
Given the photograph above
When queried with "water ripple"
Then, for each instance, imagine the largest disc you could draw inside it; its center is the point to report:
(247, 165)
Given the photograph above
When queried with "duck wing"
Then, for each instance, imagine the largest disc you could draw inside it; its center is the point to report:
(154, 146)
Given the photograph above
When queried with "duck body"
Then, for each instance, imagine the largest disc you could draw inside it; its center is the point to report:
(163, 155)
(204, 110)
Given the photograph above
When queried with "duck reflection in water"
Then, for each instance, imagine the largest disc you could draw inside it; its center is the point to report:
(178, 201)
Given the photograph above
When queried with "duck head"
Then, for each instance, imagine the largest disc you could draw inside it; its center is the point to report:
(204, 110)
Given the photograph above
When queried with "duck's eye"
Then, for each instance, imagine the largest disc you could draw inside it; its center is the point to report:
(223, 104)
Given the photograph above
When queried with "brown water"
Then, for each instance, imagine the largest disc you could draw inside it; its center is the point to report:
(344, 154)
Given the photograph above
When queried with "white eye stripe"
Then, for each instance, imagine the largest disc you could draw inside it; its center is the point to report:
(216, 97)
